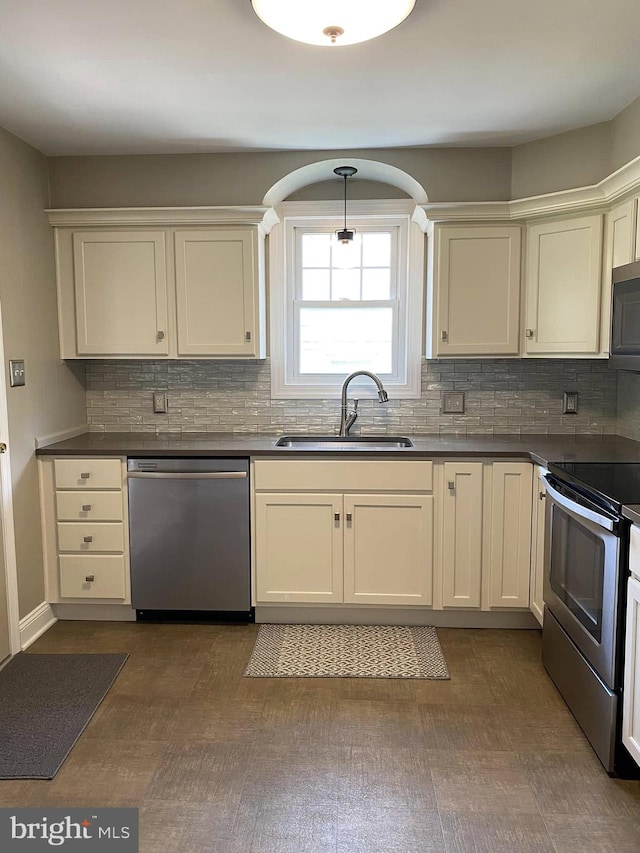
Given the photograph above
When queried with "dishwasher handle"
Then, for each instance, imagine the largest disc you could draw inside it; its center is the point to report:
(184, 475)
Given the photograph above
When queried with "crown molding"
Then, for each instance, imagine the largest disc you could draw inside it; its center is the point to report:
(614, 187)
(265, 217)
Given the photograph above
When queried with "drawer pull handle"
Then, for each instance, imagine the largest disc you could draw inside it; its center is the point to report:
(88, 538)
(85, 475)
(336, 516)
(90, 578)
(451, 485)
(86, 507)
(349, 518)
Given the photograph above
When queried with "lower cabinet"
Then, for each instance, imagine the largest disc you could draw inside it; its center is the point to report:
(538, 527)
(359, 549)
(393, 533)
(631, 694)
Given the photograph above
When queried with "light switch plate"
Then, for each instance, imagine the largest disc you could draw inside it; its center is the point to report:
(570, 403)
(16, 372)
(452, 402)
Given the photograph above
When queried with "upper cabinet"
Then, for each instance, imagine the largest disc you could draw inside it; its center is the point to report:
(563, 292)
(619, 246)
(120, 286)
(170, 291)
(476, 283)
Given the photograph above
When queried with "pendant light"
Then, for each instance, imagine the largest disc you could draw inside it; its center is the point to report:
(346, 246)
(332, 22)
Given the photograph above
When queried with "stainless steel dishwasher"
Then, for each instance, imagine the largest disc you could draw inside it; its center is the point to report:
(189, 538)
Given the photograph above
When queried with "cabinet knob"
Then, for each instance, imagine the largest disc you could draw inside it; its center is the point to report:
(160, 336)
(90, 578)
(451, 485)
(247, 336)
(336, 516)
(86, 507)
(444, 336)
(528, 333)
(88, 539)
(85, 475)
(542, 495)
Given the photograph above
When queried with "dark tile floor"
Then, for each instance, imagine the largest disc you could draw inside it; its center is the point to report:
(490, 761)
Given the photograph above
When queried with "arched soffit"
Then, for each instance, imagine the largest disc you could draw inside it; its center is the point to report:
(370, 170)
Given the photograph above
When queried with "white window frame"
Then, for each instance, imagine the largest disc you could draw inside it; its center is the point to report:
(410, 271)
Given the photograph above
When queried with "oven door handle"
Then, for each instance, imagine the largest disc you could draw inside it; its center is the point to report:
(579, 510)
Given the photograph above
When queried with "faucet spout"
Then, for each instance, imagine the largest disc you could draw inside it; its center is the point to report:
(348, 417)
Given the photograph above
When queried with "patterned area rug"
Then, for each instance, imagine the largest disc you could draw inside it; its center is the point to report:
(347, 651)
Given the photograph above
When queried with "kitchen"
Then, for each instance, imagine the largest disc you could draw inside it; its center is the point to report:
(515, 396)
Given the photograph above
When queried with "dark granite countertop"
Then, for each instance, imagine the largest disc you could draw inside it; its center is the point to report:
(539, 448)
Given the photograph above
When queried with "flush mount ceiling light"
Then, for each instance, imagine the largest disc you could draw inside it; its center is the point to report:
(332, 22)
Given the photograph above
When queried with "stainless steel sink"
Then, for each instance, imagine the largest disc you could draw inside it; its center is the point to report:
(348, 442)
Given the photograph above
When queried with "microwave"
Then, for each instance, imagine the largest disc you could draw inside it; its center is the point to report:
(624, 352)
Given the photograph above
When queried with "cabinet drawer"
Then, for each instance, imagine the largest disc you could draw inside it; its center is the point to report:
(97, 576)
(342, 476)
(89, 506)
(88, 473)
(86, 536)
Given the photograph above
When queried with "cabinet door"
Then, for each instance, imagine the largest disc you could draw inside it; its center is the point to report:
(620, 236)
(120, 293)
(478, 290)
(462, 534)
(631, 693)
(510, 549)
(216, 292)
(563, 286)
(388, 549)
(298, 547)
(537, 543)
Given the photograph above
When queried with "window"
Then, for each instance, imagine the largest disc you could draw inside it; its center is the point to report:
(336, 309)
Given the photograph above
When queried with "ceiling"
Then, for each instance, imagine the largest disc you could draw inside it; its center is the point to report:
(142, 76)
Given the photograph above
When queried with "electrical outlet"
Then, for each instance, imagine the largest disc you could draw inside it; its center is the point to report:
(452, 402)
(570, 403)
(16, 372)
(159, 403)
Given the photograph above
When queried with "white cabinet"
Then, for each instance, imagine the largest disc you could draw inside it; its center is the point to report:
(388, 549)
(216, 292)
(85, 530)
(120, 293)
(298, 547)
(563, 292)
(510, 546)
(168, 292)
(476, 281)
(619, 246)
(538, 529)
(462, 530)
(319, 538)
(631, 692)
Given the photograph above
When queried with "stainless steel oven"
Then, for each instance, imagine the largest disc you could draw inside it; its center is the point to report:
(585, 573)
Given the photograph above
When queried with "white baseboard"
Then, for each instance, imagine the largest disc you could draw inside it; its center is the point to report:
(34, 624)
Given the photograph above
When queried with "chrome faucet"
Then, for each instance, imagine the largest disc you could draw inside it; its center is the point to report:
(347, 418)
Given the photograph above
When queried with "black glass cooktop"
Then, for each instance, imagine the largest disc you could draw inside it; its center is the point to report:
(616, 483)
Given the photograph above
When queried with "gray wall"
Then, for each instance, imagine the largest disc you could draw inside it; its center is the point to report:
(509, 396)
(447, 174)
(53, 398)
(625, 135)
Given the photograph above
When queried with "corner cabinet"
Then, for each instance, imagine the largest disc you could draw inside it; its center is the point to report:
(475, 273)
(133, 291)
(563, 287)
